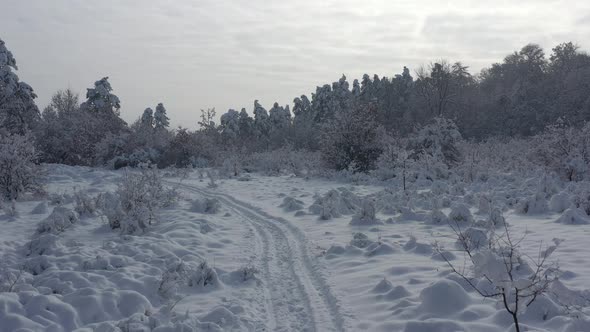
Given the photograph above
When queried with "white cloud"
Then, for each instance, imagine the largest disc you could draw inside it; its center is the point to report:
(226, 53)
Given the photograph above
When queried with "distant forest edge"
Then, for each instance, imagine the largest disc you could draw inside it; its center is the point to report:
(347, 126)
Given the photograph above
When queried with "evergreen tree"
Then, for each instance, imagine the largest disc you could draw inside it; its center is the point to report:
(147, 118)
(18, 112)
(160, 118)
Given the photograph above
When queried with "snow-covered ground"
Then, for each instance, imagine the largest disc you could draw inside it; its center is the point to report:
(278, 254)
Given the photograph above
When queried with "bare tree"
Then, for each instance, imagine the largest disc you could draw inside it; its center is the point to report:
(496, 268)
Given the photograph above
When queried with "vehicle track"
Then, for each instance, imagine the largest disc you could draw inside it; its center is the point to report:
(297, 296)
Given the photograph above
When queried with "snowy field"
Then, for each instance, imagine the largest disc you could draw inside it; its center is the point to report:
(283, 253)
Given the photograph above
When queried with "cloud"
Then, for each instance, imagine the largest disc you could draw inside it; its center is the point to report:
(226, 53)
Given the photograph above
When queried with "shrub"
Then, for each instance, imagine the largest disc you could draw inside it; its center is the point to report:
(460, 213)
(84, 204)
(206, 205)
(18, 171)
(58, 221)
(360, 240)
(134, 206)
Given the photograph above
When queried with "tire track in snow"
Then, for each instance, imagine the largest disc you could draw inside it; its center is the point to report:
(300, 298)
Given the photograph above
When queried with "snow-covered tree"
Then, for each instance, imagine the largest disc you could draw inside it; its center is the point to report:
(230, 126)
(147, 118)
(565, 150)
(104, 106)
(280, 119)
(351, 140)
(262, 123)
(438, 140)
(160, 118)
(246, 125)
(305, 133)
(18, 112)
(100, 98)
(58, 133)
(18, 171)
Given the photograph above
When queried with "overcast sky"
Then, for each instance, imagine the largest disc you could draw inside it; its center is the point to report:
(198, 54)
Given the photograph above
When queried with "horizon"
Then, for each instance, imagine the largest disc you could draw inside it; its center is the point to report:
(225, 55)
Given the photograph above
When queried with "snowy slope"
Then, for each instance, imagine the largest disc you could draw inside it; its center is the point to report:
(267, 261)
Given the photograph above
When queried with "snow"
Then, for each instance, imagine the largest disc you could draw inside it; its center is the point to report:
(281, 254)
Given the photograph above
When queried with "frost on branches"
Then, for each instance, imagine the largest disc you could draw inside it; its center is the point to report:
(18, 171)
(18, 112)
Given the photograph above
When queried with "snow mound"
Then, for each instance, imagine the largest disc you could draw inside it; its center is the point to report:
(377, 249)
(223, 318)
(442, 298)
(40, 208)
(533, 205)
(335, 203)
(460, 213)
(383, 286)
(437, 217)
(472, 239)
(398, 292)
(574, 216)
(337, 250)
(205, 205)
(497, 218)
(438, 325)
(291, 204)
(104, 305)
(418, 248)
(360, 240)
(560, 202)
(59, 220)
(366, 215)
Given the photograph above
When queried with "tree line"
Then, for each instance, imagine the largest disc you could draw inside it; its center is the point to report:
(348, 124)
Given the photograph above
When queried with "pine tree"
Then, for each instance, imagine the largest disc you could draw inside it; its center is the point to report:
(147, 118)
(160, 118)
(18, 112)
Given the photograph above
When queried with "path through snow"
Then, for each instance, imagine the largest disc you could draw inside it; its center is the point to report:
(297, 296)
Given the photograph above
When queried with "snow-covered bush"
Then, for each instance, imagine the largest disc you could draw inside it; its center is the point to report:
(565, 150)
(535, 204)
(285, 160)
(212, 180)
(394, 161)
(206, 205)
(360, 240)
(173, 278)
(59, 220)
(40, 208)
(581, 199)
(350, 141)
(497, 218)
(438, 140)
(366, 214)
(203, 275)
(84, 204)
(438, 217)
(248, 272)
(11, 278)
(574, 216)
(139, 197)
(498, 269)
(291, 204)
(9, 208)
(186, 274)
(335, 203)
(232, 165)
(560, 201)
(460, 214)
(18, 171)
(471, 239)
